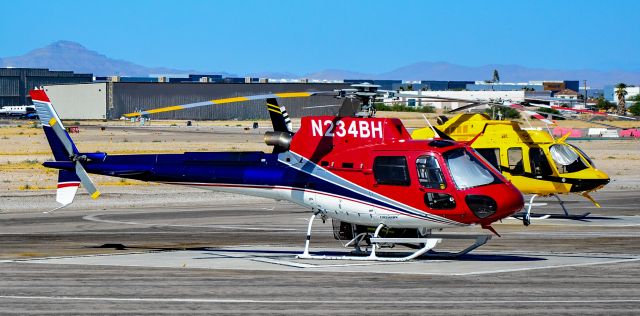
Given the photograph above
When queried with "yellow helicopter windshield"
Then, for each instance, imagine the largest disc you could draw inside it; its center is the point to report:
(566, 158)
(466, 169)
(584, 155)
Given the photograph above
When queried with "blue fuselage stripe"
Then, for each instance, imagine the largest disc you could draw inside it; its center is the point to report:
(245, 168)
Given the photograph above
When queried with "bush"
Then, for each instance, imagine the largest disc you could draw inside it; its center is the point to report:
(404, 108)
(507, 113)
(635, 109)
(603, 104)
(552, 111)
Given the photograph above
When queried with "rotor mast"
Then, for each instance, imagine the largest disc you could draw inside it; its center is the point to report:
(366, 93)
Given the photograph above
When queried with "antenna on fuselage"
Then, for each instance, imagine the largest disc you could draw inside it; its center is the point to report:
(430, 126)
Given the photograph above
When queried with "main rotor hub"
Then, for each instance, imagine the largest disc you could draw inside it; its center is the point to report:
(366, 93)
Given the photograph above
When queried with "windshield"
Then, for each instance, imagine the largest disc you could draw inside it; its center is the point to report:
(583, 154)
(466, 170)
(566, 158)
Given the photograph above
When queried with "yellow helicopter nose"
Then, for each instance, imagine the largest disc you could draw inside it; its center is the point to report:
(589, 180)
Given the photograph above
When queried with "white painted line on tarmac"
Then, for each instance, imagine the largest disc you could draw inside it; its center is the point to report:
(589, 221)
(577, 234)
(318, 301)
(569, 265)
(95, 218)
(283, 262)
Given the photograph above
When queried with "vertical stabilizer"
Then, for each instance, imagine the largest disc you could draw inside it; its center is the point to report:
(48, 117)
(279, 116)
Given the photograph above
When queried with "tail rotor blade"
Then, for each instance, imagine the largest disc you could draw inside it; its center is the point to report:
(87, 183)
(62, 136)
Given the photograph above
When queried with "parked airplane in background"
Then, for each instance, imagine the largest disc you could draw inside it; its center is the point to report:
(26, 111)
(366, 173)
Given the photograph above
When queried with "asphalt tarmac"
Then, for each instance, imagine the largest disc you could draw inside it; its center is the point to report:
(217, 253)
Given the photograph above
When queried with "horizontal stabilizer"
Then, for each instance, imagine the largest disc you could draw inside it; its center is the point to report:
(68, 183)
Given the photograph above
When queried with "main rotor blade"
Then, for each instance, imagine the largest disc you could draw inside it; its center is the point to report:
(574, 118)
(419, 96)
(322, 106)
(229, 100)
(468, 106)
(87, 183)
(547, 104)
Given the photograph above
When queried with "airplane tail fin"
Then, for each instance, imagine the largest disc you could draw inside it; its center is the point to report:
(63, 149)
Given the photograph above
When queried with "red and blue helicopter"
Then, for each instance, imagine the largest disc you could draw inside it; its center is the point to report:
(378, 185)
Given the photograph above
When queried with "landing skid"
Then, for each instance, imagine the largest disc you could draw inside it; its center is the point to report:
(426, 245)
(526, 216)
(546, 216)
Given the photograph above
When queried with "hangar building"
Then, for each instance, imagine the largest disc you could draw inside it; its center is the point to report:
(110, 100)
(15, 83)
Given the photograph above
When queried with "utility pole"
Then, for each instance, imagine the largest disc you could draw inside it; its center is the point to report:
(585, 94)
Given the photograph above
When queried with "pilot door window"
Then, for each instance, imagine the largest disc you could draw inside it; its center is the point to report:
(391, 170)
(539, 163)
(429, 173)
(430, 176)
(516, 165)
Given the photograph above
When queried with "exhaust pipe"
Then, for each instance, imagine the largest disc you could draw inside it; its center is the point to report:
(280, 140)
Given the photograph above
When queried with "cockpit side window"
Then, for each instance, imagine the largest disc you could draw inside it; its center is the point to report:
(429, 173)
(539, 163)
(516, 166)
(391, 170)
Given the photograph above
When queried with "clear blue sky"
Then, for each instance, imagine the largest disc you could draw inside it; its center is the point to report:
(306, 36)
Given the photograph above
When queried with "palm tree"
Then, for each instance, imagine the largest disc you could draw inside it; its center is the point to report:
(621, 92)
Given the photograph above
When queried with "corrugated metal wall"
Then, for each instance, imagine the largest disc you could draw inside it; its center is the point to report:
(9, 91)
(126, 97)
(15, 83)
(9, 86)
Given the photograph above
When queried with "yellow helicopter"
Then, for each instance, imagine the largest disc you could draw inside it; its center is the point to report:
(532, 159)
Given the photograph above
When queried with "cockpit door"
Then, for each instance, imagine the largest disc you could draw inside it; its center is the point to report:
(437, 191)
